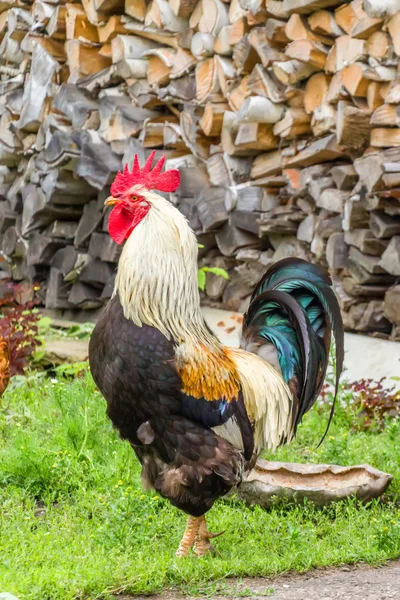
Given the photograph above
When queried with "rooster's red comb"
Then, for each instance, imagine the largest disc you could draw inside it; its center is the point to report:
(149, 179)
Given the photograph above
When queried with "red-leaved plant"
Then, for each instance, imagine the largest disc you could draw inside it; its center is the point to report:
(18, 325)
(373, 401)
(376, 403)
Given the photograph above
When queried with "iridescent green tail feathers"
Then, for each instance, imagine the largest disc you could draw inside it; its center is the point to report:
(292, 315)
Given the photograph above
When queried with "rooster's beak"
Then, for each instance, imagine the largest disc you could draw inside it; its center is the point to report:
(111, 201)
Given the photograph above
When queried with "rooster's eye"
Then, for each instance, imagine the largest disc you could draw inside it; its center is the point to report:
(134, 198)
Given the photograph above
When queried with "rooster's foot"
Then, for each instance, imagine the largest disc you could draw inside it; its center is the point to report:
(202, 543)
(198, 537)
(189, 537)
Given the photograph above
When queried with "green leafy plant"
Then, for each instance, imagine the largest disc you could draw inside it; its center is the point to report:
(72, 370)
(202, 275)
(76, 331)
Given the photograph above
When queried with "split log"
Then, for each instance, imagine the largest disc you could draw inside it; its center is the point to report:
(380, 8)
(211, 209)
(371, 264)
(307, 6)
(43, 68)
(253, 198)
(7, 217)
(188, 208)
(392, 304)
(384, 226)
(266, 164)
(315, 91)
(348, 50)
(78, 26)
(202, 45)
(41, 249)
(390, 260)
(267, 54)
(385, 115)
(211, 121)
(295, 123)
(64, 260)
(307, 52)
(282, 117)
(275, 32)
(183, 8)
(323, 22)
(259, 110)
(323, 120)
(230, 239)
(57, 291)
(379, 45)
(137, 8)
(124, 47)
(297, 28)
(322, 150)
(385, 138)
(102, 246)
(12, 244)
(364, 240)
(88, 223)
(337, 251)
(358, 290)
(306, 229)
(84, 296)
(333, 200)
(193, 181)
(361, 276)
(393, 28)
(96, 273)
(245, 56)
(354, 213)
(215, 285)
(352, 126)
(292, 71)
(344, 176)
(207, 83)
(214, 16)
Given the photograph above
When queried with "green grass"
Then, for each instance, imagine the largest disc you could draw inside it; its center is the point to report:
(75, 523)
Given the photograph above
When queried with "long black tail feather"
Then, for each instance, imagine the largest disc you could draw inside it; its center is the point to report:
(294, 308)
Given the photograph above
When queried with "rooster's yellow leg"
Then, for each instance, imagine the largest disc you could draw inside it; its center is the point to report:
(202, 544)
(189, 537)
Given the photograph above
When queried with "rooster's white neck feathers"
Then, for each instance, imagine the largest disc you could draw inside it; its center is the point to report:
(157, 274)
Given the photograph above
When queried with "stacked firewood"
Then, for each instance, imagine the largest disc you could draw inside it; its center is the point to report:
(282, 115)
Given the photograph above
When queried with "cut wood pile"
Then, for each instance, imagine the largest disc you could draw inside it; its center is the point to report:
(282, 115)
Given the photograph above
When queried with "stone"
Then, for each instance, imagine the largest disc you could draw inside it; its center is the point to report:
(320, 484)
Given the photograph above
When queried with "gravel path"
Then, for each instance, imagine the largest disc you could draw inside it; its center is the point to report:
(347, 583)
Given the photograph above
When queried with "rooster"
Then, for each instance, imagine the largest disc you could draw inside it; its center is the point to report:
(4, 365)
(196, 413)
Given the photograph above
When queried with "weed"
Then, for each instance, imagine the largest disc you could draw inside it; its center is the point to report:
(18, 326)
(202, 275)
